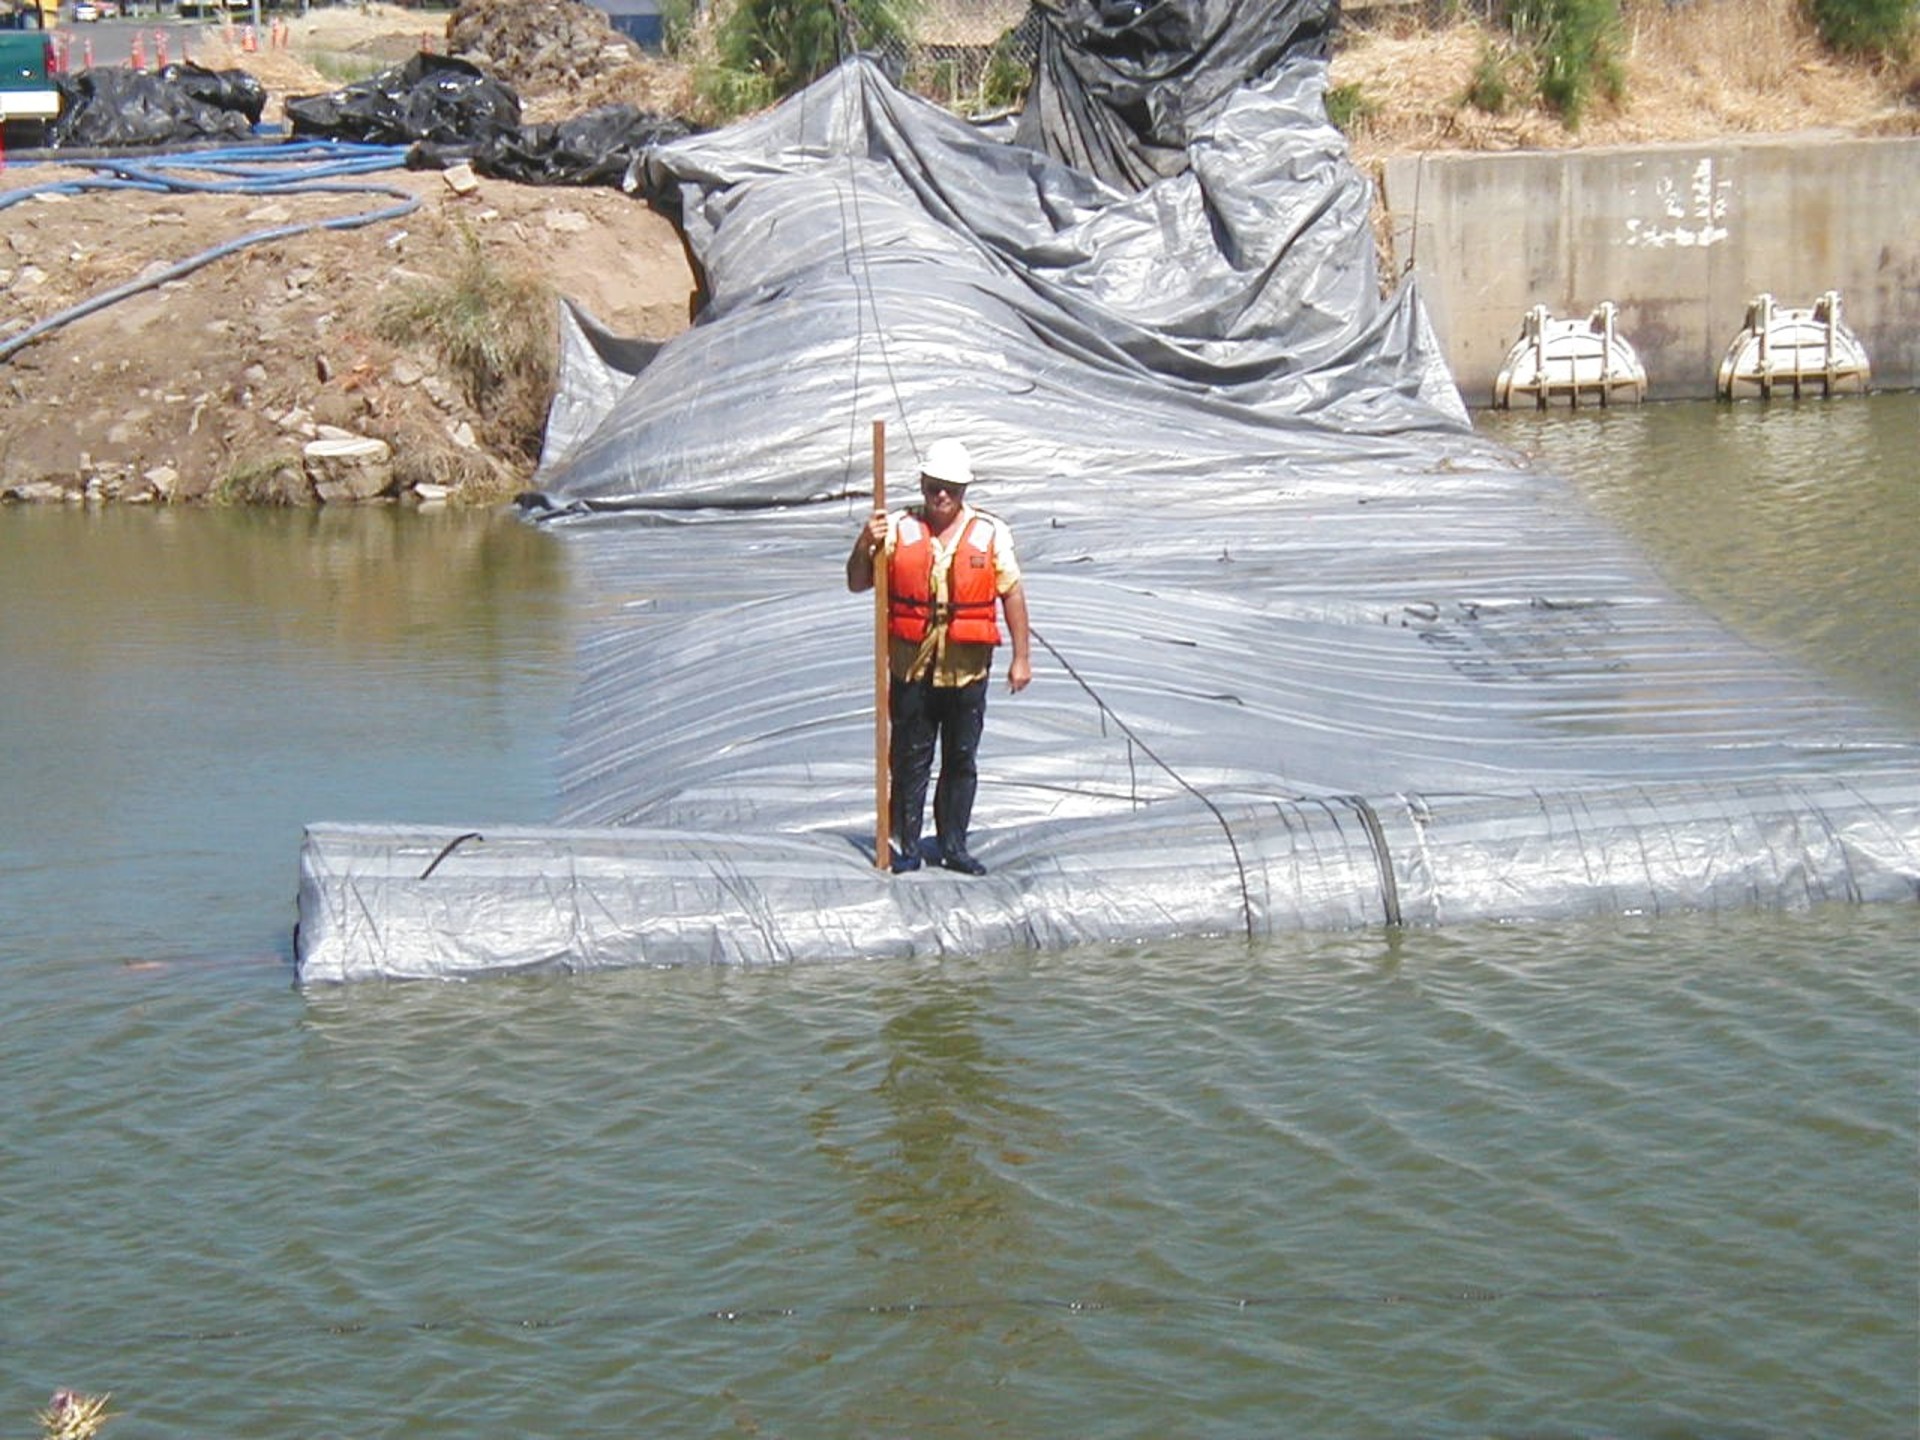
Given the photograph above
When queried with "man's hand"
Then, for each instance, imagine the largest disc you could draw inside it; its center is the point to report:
(866, 545)
(1019, 668)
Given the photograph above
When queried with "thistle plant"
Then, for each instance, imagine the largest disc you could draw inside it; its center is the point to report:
(72, 1416)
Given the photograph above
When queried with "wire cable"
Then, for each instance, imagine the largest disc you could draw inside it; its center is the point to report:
(1133, 738)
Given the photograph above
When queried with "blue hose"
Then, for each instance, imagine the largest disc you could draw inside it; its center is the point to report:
(311, 167)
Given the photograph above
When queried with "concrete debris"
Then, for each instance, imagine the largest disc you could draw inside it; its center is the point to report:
(41, 492)
(347, 471)
(538, 44)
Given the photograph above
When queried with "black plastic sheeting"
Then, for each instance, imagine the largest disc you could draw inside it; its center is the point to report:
(597, 147)
(116, 108)
(1309, 653)
(1121, 87)
(450, 112)
(437, 98)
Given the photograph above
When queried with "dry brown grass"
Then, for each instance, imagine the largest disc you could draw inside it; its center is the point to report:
(1710, 68)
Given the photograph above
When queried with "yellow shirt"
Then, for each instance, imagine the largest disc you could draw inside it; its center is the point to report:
(956, 663)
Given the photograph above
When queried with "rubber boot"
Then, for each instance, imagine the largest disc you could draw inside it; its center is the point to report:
(952, 814)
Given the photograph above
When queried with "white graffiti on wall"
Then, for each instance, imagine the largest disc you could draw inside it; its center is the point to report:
(1690, 212)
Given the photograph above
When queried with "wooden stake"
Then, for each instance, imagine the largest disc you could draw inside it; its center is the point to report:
(882, 719)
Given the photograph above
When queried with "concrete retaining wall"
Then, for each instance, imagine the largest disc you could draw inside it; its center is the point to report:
(1679, 237)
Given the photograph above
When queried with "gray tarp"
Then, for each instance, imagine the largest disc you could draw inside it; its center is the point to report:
(1310, 654)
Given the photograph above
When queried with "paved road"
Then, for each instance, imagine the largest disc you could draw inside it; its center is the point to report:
(110, 42)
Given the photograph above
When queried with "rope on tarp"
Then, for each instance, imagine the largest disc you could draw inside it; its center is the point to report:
(854, 247)
(1382, 857)
(1133, 738)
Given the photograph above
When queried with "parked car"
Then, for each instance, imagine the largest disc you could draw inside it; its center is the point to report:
(85, 10)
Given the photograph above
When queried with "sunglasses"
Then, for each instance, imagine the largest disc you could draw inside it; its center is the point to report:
(930, 486)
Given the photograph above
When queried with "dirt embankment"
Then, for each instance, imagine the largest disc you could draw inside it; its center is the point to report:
(211, 385)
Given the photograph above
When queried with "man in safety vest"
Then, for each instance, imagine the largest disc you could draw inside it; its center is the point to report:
(947, 565)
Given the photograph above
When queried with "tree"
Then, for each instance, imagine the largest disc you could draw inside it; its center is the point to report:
(791, 43)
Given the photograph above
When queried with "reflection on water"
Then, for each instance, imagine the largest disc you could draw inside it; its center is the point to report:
(933, 1173)
(185, 689)
(125, 582)
(1797, 523)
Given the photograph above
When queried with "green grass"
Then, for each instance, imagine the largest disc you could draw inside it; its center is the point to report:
(1348, 106)
(342, 67)
(493, 331)
(1878, 28)
(271, 479)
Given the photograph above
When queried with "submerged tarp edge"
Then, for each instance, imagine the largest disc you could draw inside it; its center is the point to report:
(433, 902)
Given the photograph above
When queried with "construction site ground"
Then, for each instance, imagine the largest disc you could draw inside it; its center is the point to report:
(208, 387)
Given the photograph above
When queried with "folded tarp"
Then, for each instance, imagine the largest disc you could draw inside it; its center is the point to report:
(1309, 652)
(1123, 88)
(865, 254)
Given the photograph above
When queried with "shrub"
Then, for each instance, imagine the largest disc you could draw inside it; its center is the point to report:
(725, 93)
(1577, 45)
(677, 26)
(1865, 27)
(1007, 77)
(1348, 106)
(794, 42)
(1491, 89)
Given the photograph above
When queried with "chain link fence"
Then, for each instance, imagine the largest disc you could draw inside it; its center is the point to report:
(972, 55)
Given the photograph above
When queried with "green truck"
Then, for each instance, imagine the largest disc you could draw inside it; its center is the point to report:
(29, 100)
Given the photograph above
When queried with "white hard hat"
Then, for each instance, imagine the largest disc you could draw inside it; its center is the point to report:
(947, 460)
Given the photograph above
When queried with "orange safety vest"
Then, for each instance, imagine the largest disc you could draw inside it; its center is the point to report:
(971, 587)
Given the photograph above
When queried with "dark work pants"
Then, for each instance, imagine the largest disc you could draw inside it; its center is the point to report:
(955, 715)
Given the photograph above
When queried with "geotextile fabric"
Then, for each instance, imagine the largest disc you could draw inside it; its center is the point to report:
(1309, 653)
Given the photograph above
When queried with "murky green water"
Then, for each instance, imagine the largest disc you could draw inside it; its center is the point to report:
(1636, 1179)
(1798, 523)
